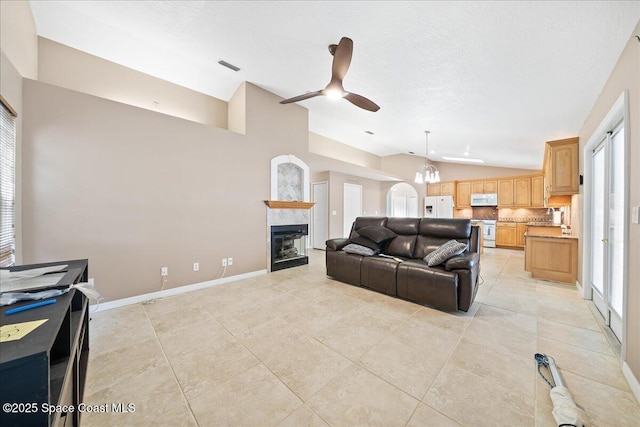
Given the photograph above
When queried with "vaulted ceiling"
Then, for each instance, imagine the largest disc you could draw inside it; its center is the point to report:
(496, 79)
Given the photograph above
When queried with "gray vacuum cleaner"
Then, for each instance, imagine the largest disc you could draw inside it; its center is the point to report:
(565, 410)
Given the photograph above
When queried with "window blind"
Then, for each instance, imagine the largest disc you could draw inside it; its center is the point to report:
(7, 186)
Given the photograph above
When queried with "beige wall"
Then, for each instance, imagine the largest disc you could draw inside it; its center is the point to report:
(327, 147)
(405, 167)
(134, 190)
(18, 39)
(625, 76)
(371, 200)
(66, 67)
(459, 172)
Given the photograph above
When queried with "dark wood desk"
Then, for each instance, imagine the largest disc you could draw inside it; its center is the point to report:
(42, 375)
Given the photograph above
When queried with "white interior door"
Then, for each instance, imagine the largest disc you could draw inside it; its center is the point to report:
(608, 228)
(412, 207)
(352, 206)
(399, 206)
(320, 214)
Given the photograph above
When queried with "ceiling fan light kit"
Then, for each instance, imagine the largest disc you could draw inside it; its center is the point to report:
(342, 53)
(428, 173)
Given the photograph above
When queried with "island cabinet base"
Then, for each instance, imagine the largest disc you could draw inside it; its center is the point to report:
(552, 258)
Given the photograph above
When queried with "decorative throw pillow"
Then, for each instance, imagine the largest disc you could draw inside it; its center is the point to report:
(353, 248)
(444, 252)
(363, 241)
(376, 233)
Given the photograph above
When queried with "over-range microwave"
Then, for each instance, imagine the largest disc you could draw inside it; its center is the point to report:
(489, 199)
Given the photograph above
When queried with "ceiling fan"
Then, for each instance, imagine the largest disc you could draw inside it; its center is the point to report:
(341, 59)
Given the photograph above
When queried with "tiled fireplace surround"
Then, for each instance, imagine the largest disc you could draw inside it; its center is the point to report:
(289, 182)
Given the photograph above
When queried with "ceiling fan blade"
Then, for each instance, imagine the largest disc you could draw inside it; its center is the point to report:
(341, 59)
(361, 101)
(302, 97)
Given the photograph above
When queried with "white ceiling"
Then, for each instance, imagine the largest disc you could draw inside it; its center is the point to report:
(496, 78)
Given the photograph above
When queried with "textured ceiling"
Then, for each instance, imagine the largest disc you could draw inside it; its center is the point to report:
(495, 78)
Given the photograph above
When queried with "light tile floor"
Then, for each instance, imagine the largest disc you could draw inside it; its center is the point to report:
(295, 348)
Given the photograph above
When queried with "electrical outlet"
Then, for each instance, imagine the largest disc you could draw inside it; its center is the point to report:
(230, 261)
(196, 266)
(164, 271)
(224, 262)
(91, 283)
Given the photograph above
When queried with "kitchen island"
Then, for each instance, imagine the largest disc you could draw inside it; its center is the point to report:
(550, 254)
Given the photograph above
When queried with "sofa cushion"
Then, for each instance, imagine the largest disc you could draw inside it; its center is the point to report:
(353, 248)
(406, 226)
(376, 233)
(444, 252)
(363, 241)
(455, 228)
(401, 246)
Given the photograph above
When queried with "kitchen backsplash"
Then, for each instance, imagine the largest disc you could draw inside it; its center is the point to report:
(524, 214)
(505, 214)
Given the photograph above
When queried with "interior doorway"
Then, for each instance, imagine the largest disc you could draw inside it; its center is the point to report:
(402, 201)
(352, 206)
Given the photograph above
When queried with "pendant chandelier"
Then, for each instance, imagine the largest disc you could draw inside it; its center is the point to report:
(428, 173)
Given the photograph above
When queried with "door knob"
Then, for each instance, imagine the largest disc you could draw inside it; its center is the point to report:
(605, 241)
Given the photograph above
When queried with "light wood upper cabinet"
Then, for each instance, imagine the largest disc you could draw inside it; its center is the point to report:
(447, 188)
(463, 194)
(522, 192)
(477, 187)
(441, 189)
(491, 186)
(505, 192)
(433, 189)
(537, 191)
(561, 166)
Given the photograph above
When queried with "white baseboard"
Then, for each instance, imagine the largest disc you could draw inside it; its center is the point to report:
(173, 291)
(632, 380)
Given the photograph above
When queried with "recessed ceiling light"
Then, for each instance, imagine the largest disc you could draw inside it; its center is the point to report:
(463, 159)
(229, 66)
(369, 132)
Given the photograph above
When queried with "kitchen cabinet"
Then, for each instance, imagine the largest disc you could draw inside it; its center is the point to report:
(561, 167)
(447, 188)
(522, 192)
(441, 189)
(521, 229)
(505, 193)
(463, 194)
(490, 186)
(506, 234)
(552, 258)
(477, 187)
(537, 191)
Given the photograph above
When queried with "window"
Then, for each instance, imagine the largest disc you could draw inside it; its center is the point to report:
(7, 184)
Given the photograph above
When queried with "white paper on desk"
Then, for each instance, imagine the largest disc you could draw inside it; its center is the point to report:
(11, 281)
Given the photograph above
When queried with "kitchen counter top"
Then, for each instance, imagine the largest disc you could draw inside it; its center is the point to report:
(560, 236)
(544, 224)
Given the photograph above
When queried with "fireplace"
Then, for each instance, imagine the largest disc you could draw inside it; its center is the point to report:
(288, 246)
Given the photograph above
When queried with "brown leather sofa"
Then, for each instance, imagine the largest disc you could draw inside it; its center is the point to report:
(403, 272)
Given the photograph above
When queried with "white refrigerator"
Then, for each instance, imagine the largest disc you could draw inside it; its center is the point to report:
(438, 207)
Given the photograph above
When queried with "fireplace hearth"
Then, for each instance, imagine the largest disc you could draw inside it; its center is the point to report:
(288, 246)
